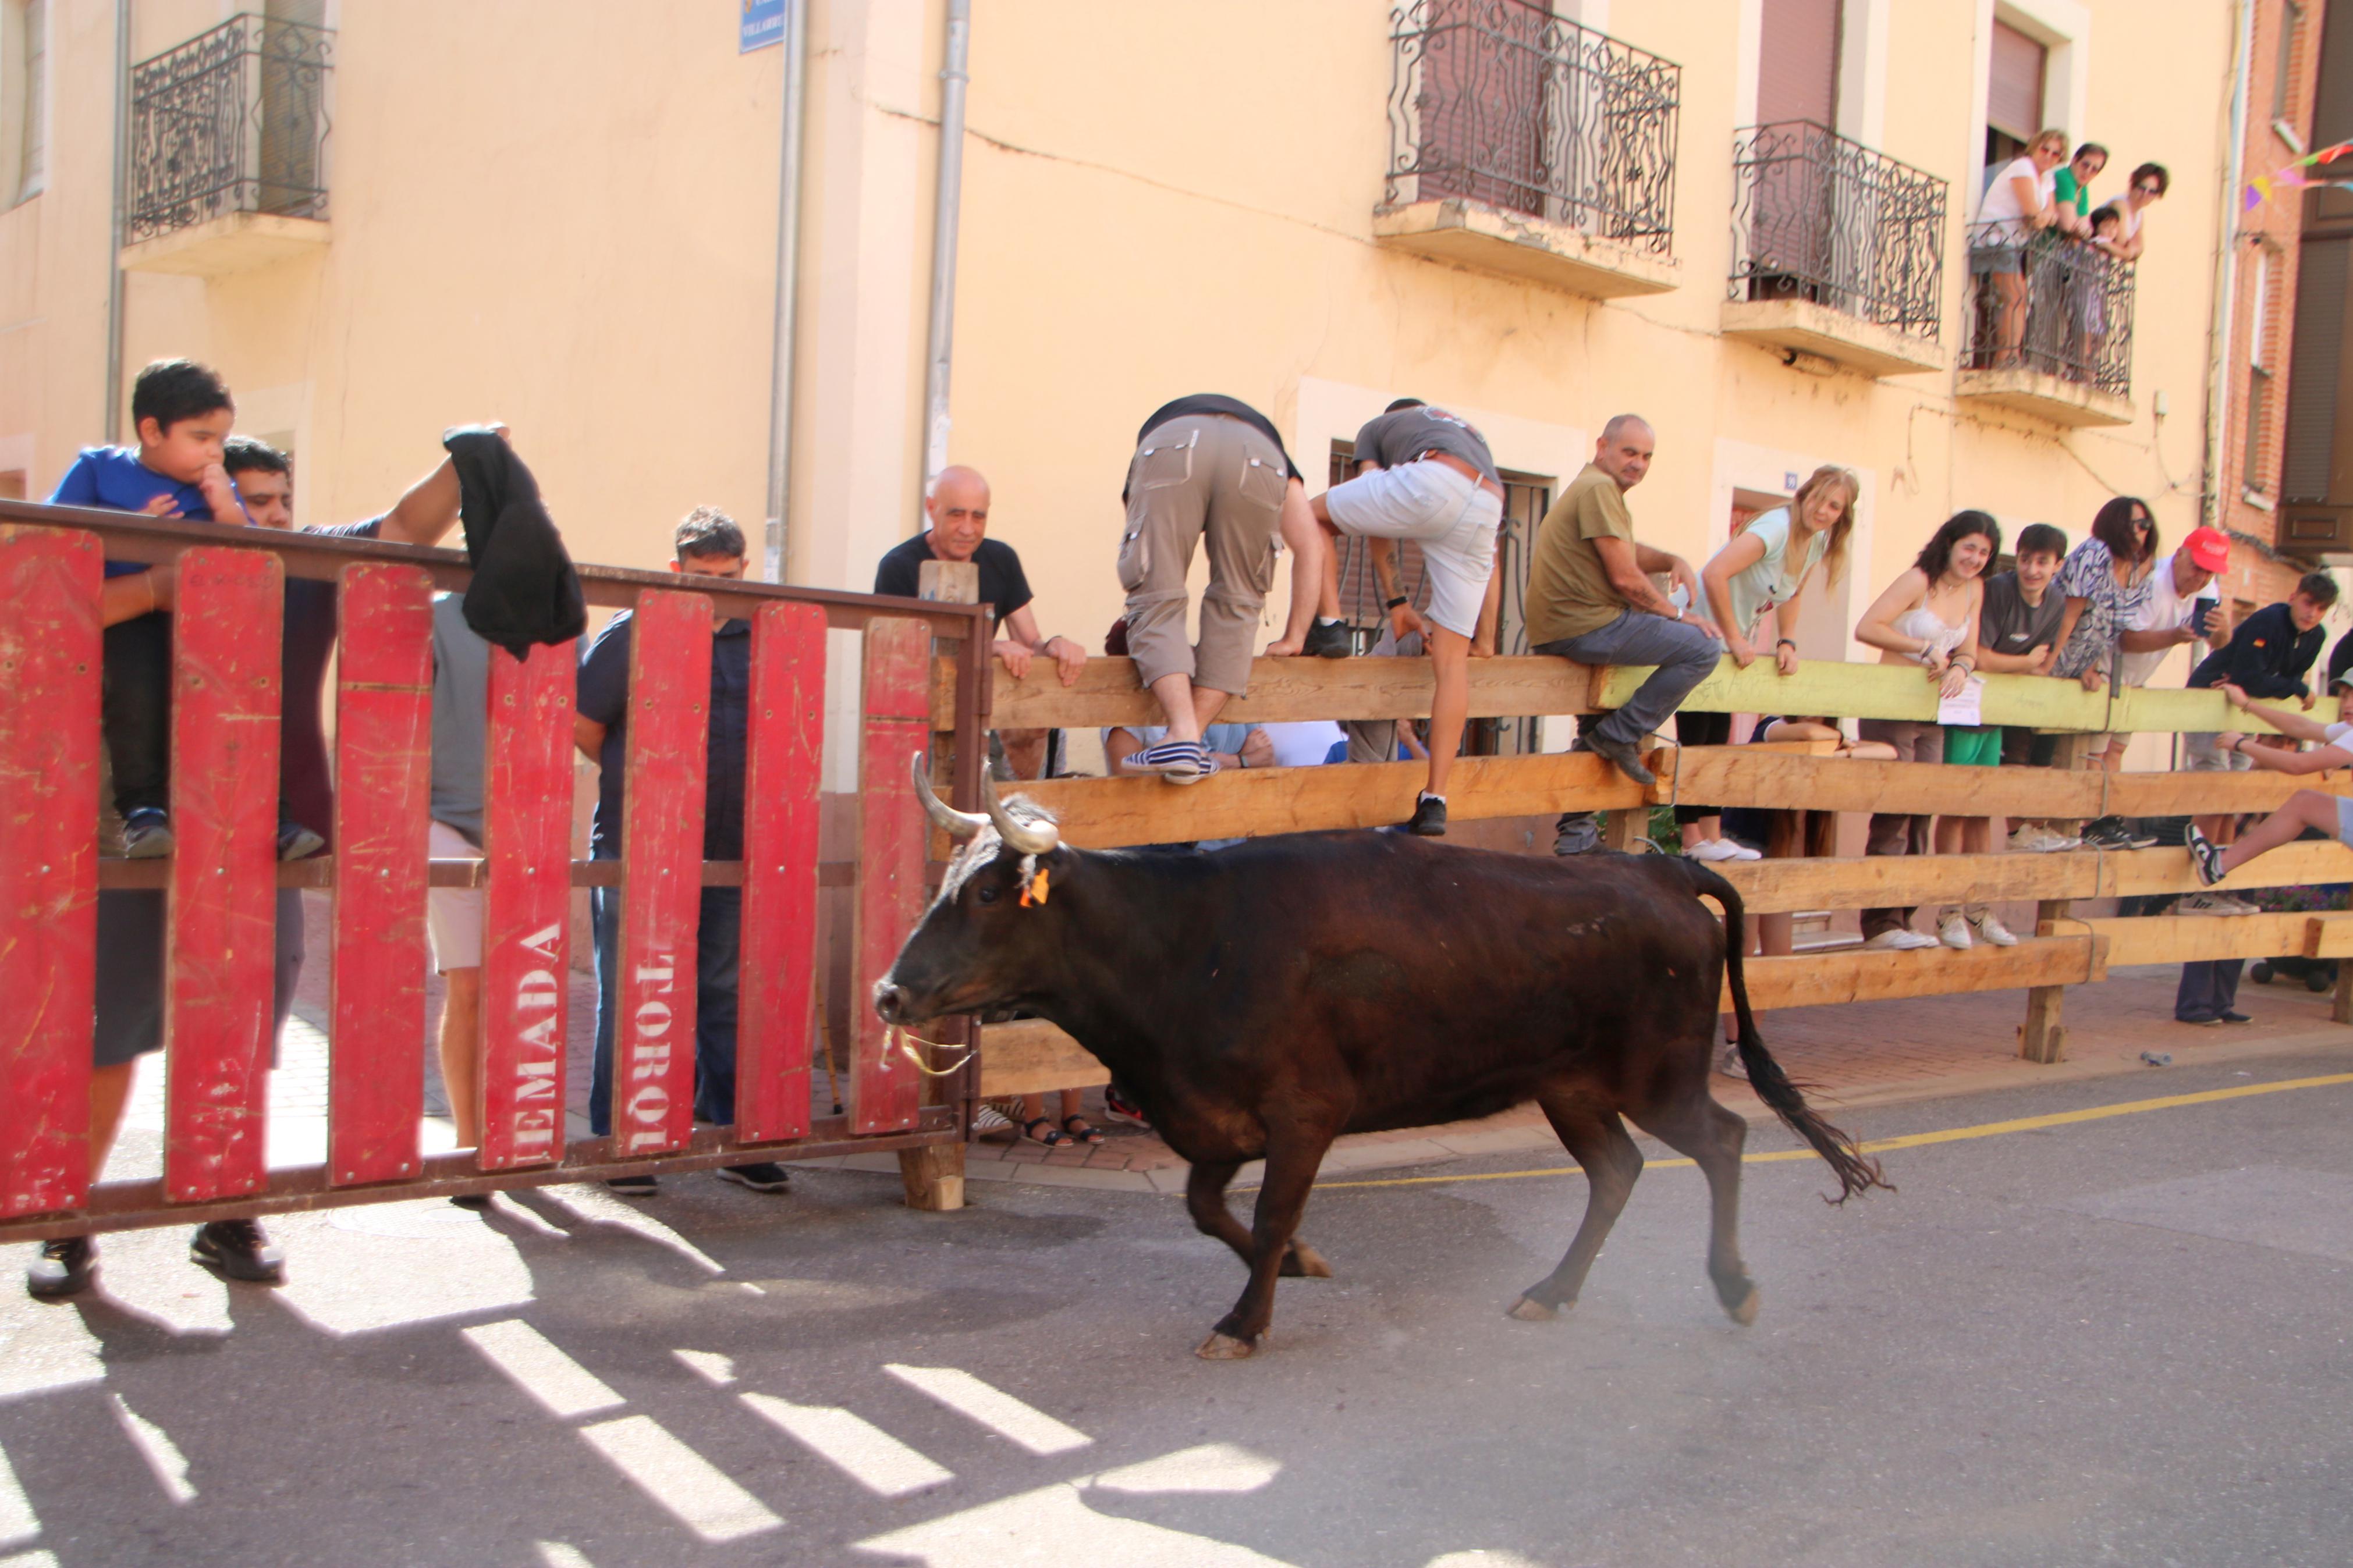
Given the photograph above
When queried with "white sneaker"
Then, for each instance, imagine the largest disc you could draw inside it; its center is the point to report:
(2204, 904)
(2240, 906)
(1992, 930)
(1742, 851)
(1713, 849)
(1900, 940)
(1953, 930)
(2040, 841)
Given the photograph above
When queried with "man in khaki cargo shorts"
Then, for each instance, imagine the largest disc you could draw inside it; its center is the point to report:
(1211, 468)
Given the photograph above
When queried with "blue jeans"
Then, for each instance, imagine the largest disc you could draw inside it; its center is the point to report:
(717, 952)
(2208, 990)
(1684, 655)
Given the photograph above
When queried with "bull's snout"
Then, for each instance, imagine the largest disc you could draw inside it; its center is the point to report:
(889, 1002)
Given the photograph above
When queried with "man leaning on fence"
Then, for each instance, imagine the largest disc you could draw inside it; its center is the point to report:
(1591, 599)
(708, 543)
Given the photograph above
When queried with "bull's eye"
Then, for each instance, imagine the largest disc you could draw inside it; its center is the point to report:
(986, 895)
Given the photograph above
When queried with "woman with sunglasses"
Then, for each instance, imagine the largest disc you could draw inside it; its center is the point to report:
(2149, 183)
(2106, 582)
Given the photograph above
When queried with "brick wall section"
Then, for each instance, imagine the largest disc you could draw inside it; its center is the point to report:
(2264, 303)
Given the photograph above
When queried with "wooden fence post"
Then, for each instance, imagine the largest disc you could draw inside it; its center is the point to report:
(2043, 1039)
(933, 1174)
(2341, 1009)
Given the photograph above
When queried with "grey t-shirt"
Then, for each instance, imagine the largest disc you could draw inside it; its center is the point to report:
(461, 716)
(2011, 624)
(1393, 440)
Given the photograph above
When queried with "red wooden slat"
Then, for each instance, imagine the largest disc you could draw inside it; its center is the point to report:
(51, 653)
(221, 968)
(527, 907)
(661, 872)
(776, 1004)
(384, 776)
(884, 1089)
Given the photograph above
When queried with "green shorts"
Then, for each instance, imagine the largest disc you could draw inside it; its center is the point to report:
(1967, 747)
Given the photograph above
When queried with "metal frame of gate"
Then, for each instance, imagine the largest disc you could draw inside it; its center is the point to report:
(222, 876)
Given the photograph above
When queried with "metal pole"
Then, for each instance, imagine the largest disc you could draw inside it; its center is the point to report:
(2226, 277)
(939, 350)
(115, 248)
(788, 259)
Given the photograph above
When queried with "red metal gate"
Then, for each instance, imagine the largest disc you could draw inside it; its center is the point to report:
(224, 875)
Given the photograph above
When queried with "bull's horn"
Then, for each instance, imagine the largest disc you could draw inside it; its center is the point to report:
(1028, 838)
(957, 823)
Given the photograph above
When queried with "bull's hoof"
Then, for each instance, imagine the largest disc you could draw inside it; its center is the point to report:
(1304, 1262)
(1225, 1347)
(1528, 1310)
(1744, 1312)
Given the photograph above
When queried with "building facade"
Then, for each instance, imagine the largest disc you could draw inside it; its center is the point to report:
(1748, 220)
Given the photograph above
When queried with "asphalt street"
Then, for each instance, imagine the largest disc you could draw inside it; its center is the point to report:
(2114, 1340)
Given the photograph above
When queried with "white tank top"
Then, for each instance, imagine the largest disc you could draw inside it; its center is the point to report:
(1921, 622)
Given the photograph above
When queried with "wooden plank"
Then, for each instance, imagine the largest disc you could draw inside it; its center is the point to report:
(661, 864)
(1280, 690)
(1881, 881)
(932, 1177)
(776, 1005)
(2202, 793)
(2177, 709)
(2328, 936)
(220, 974)
(384, 786)
(526, 907)
(883, 1095)
(1032, 1056)
(51, 653)
(2195, 938)
(1731, 775)
(2141, 872)
(1100, 814)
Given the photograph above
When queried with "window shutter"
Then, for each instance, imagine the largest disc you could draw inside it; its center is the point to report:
(1797, 61)
(2318, 441)
(2014, 83)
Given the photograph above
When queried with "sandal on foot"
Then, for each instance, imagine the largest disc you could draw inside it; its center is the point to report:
(1051, 1138)
(1085, 1131)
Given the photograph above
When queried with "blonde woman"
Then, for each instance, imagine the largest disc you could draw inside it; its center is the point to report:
(1764, 571)
(2020, 202)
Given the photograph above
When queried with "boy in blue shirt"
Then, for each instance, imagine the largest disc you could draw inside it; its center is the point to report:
(182, 410)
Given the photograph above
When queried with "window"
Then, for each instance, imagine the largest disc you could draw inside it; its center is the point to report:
(2259, 376)
(1798, 63)
(2013, 95)
(2284, 75)
(24, 99)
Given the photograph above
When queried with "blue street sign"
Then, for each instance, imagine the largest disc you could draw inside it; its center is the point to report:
(763, 23)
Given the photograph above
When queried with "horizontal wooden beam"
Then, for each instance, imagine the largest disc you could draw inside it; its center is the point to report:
(1889, 882)
(1034, 1057)
(2195, 938)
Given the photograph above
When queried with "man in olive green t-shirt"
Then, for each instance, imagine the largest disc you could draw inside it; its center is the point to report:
(1591, 599)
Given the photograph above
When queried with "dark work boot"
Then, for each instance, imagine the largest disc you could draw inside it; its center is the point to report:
(65, 1267)
(237, 1249)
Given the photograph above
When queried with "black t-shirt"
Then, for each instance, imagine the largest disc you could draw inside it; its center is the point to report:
(1217, 403)
(604, 697)
(1002, 583)
(2011, 624)
(306, 790)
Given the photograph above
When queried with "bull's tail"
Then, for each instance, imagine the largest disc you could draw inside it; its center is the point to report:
(1857, 1173)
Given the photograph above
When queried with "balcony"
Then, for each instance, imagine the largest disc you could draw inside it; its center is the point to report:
(1524, 144)
(1836, 251)
(228, 163)
(2054, 337)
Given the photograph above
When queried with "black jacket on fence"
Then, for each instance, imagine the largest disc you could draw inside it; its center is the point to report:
(525, 589)
(2266, 656)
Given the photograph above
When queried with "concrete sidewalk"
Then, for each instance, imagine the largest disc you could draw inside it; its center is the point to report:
(1862, 1053)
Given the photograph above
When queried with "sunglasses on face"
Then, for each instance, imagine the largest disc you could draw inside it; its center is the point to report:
(2146, 190)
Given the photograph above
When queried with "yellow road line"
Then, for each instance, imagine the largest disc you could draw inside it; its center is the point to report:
(1910, 1140)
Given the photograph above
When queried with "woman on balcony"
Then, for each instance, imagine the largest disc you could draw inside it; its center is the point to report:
(2019, 203)
(1764, 571)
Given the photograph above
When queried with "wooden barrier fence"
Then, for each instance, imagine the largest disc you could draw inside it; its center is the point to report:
(1031, 1056)
(222, 879)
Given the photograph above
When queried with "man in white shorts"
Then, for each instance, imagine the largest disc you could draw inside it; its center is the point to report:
(453, 916)
(1426, 474)
(2306, 808)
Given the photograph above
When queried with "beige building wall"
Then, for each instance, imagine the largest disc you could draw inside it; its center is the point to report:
(568, 221)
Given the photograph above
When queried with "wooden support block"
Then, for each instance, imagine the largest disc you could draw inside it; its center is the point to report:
(1623, 830)
(384, 786)
(50, 656)
(2341, 1005)
(526, 907)
(776, 1009)
(220, 974)
(661, 873)
(932, 1177)
(883, 1096)
(2328, 936)
(2043, 1037)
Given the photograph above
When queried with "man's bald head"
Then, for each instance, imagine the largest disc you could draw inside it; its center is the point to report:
(1624, 450)
(957, 504)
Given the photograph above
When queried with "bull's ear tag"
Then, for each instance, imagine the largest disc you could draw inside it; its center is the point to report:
(1036, 888)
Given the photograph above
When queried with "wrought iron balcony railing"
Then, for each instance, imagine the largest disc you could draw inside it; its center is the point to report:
(1816, 216)
(2051, 304)
(234, 121)
(1501, 103)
